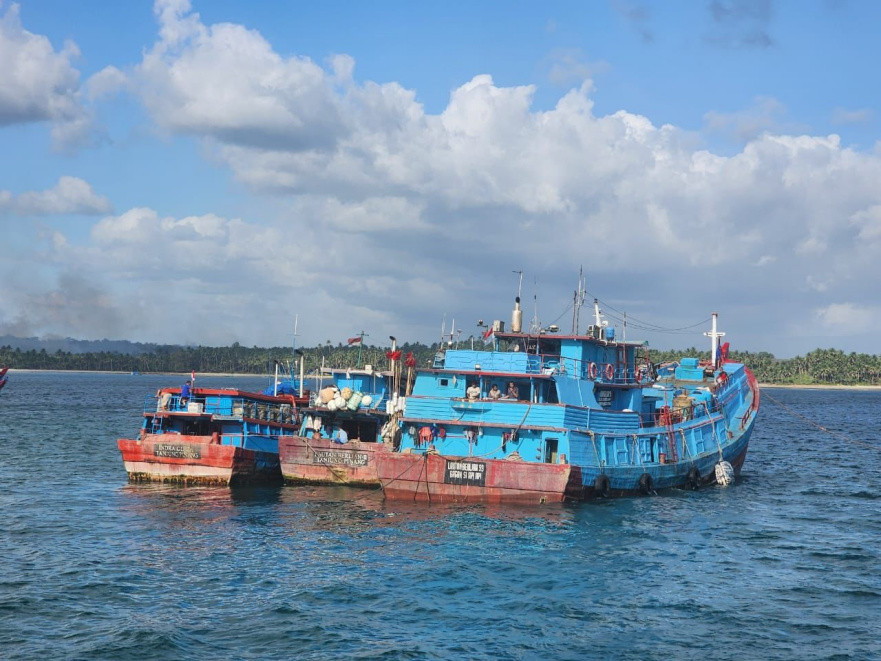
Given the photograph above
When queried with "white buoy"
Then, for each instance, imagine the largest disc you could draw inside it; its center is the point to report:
(724, 474)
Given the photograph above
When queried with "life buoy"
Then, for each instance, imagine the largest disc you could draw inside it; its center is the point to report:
(602, 486)
(592, 371)
(693, 479)
(645, 484)
(610, 372)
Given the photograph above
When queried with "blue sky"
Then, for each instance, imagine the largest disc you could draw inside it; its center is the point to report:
(203, 172)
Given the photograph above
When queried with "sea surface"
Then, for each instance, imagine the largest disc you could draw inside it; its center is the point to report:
(783, 565)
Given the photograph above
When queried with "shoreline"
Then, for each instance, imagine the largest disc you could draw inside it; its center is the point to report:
(817, 386)
(787, 386)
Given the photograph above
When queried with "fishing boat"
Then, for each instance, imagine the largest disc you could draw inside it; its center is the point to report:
(548, 417)
(210, 436)
(349, 422)
(3, 377)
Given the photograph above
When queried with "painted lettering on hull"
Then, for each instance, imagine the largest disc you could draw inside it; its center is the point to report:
(177, 451)
(339, 457)
(465, 472)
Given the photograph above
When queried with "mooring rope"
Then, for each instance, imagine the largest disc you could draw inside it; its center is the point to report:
(831, 432)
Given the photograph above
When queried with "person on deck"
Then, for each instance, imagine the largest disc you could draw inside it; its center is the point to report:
(185, 393)
(494, 392)
(473, 392)
(513, 392)
(340, 436)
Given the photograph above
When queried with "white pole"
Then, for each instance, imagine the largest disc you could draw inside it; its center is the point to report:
(714, 336)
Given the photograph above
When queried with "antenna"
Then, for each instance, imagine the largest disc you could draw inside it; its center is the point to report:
(519, 286)
(577, 302)
(294, 346)
(534, 326)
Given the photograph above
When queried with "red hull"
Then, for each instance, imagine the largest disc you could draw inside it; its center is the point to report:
(435, 478)
(193, 460)
(321, 461)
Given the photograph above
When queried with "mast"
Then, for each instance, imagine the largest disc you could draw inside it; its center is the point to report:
(577, 302)
(293, 349)
(714, 336)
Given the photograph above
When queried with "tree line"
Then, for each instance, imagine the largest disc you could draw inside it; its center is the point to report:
(821, 366)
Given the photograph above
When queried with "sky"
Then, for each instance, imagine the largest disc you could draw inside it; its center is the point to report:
(208, 172)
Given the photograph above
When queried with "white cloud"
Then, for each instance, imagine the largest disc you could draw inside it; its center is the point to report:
(848, 317)
(106, 82)
(226, 81)
(70, 195)
(39, 84)
(859, 116)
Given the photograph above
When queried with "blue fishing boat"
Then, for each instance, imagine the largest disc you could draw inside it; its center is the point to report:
(210, 436)
(545, 416)
(350, 420)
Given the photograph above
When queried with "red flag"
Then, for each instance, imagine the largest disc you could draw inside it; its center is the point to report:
(393, 355)
(355, 340)
(411, 359)
(193, 376)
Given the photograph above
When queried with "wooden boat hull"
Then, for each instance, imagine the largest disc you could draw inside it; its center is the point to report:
(436, 478)
(321, 461)
(196, 460)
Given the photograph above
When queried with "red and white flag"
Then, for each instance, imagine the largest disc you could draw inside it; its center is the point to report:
(193, 377)
(355, 340)
(488, 336)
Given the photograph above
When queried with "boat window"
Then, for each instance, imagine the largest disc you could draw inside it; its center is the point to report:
(362, 430)
(445, 382)
(551, 450)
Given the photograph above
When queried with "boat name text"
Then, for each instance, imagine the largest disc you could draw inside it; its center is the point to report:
(465, 472)
(336, 457)
(177, 451)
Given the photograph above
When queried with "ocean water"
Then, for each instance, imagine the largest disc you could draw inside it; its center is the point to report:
(783, 565)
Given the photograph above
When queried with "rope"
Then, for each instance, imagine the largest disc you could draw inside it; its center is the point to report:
(596, 452)
(636, 450)
(715, 434)
(685, 448)
(831, 432)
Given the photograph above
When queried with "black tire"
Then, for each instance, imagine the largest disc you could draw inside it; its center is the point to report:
(693, 480)
(646, 484)
(602, 488)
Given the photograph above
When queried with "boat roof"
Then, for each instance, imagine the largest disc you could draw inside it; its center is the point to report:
(235, 392)
(547, 335)
(362, 372)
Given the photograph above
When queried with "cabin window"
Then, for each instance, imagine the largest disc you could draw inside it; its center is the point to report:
(362, 430)
(445, 382)
(551, 450)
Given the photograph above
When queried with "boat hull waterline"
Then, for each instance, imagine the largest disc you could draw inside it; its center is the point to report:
(196, 460)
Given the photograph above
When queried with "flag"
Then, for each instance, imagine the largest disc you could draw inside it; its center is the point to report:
(393, 355)
(193, 376)
(488, 336)
(355, 340)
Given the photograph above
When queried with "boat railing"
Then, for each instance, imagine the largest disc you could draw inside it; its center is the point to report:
(615, 373)
(233, 407)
